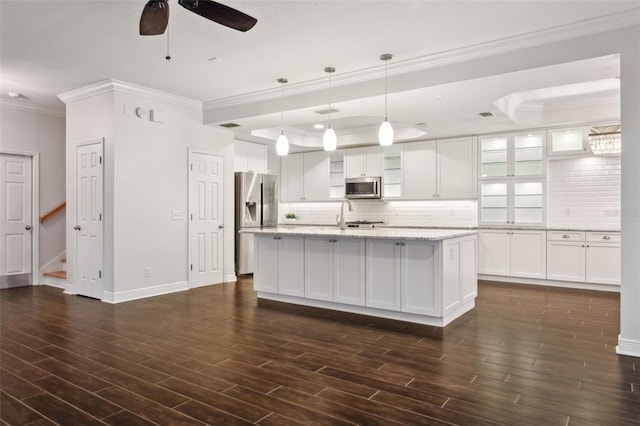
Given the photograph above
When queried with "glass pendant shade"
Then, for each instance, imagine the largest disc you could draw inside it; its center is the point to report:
(385, 134)
(282, 145)
(329, 140)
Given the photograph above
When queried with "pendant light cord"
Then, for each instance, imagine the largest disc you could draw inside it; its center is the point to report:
(385, 90)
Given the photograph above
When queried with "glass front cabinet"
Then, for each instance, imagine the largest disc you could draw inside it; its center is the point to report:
(512, 179)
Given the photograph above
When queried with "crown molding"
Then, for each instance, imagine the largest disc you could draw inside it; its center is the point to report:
(111, 85)
(583, 28)
(25, 106)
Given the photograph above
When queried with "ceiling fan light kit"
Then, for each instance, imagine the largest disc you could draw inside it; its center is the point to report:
(282, 143)
(385, 133)
(329, 139)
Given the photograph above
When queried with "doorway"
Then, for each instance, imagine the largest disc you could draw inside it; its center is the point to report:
(18, 235)
(89, 228)
(206, 212)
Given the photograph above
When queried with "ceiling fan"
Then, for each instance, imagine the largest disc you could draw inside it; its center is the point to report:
(155, 15)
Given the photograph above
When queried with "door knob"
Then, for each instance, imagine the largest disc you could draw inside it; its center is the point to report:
(220, 226)
(77, 227)
(28, 227)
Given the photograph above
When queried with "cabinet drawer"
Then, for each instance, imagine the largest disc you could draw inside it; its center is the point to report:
(565, 236)
(603, 237)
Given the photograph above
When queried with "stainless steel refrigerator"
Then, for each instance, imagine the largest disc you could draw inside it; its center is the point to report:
(256, 207)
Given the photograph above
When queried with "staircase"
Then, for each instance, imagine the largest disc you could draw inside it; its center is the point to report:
(57, 278)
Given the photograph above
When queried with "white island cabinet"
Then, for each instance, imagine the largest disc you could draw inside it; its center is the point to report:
(415, 275)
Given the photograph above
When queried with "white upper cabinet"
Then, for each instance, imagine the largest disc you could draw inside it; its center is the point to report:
(443, 169)
(336, 174)
(363, 162)
(507, 202)
(392, 176)
(250, 157)
(515, 155)
(572, 141)
(457, 168)
(420, 159)
(304, 177)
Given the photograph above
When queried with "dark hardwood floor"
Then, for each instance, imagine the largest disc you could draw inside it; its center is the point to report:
(215, 355)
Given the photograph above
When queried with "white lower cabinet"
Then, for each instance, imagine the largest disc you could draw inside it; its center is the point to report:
(515, 253)
(334, 270)
(402, 276)
(592, 257)
(279, 265)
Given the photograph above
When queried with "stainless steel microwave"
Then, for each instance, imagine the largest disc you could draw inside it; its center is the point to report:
(363, 187)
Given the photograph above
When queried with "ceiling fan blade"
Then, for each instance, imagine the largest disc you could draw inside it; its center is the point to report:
(220, 13)
(155, 17)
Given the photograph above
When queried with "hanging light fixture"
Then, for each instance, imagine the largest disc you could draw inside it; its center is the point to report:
(282, 143)
(329, 139)
(605, 140)
(385, 133)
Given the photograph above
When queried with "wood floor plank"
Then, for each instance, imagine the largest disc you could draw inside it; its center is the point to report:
(217, 400)
(126, 418)
(146, 408)
(76, 396)
(15, 386)
(72, 374)
(14, 412)
(59, 411)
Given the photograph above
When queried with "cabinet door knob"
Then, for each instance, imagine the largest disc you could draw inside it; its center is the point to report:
(606, 237)
(565, 236)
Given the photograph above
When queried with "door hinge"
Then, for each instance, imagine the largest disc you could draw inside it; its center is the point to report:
(100, 217)
(101, 159)
(99, 274)
(191, 166)
(191, 267)
(191, 216)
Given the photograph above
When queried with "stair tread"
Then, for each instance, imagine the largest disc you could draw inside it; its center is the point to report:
(57, 274)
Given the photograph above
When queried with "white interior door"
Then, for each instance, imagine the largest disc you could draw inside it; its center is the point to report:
(89, 242)
(206, 236)
(16, 220)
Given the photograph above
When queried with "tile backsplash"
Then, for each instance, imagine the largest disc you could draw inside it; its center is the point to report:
(455, 213)
(584, 193)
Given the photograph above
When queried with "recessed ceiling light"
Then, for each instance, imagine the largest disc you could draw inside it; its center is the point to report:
(318, 126)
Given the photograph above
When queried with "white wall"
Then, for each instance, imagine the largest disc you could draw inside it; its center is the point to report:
(146, 178)
(43, 132)
(151, 181)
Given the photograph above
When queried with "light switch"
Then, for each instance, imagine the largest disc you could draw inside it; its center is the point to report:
(177, 215)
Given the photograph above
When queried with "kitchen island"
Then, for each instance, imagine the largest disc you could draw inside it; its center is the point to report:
(425, 276)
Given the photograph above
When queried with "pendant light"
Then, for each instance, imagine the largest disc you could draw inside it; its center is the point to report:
(385, 133)
(329, 139)
(282, 143)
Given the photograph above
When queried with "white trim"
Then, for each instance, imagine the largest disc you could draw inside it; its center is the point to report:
(36, 277)
(69, 288)
(55, 282)
(111, 85)
(26, 106)
(551, 283)
(141, 293)
(231, 278)
(482, 50)
(628, 347)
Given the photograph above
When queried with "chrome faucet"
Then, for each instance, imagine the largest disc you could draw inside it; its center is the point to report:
(340, 217)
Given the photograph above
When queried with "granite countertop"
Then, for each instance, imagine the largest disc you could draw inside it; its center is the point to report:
(382, 233)
(467, 228)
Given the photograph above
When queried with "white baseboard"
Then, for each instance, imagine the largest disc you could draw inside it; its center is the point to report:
(69, 288)
(231, 278)
(551, 283)
(125, 296)
(628, 347)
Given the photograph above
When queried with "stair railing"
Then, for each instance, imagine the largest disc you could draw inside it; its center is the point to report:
(53, 211)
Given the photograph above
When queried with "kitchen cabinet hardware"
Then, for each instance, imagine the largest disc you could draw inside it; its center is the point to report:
(565, 236)
(606, 237)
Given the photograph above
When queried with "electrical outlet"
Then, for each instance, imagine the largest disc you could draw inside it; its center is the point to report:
(147, 272)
